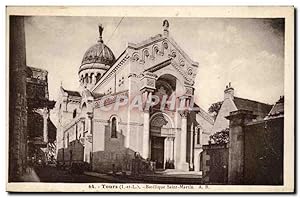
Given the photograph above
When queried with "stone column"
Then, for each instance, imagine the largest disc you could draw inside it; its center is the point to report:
(183, 163)
(171, 148)
(197, 150)
(45, 114)
(238, 119)
(148, 86)
(197, 160)
(88, 145)
(146, 132)
(90, 126)
(146, 135)
(94, 79)
(168, 148)
(192, 147)
(17, 99)
(165, 152)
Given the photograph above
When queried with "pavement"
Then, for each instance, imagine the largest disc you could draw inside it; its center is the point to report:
(161, 177)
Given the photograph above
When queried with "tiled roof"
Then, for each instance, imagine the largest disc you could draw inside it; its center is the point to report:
(277, 109)
(257, 108)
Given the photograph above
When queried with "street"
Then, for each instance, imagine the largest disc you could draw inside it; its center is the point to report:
(51, 174)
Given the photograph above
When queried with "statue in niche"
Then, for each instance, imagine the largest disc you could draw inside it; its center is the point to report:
(166, 24)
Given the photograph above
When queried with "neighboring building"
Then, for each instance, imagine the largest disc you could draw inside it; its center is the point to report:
(157, 66)
(233, 103)
(215, 172)
(256, 147)
(254, 154)
(41, 132)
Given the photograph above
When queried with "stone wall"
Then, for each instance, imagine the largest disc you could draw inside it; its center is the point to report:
(114, 155)
(215, 163)
(72, 153)
(264, 152)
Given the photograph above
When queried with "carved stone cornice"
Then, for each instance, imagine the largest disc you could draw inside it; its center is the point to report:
(148, 80)
(240, 117)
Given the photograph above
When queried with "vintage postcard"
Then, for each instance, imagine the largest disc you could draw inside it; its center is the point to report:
(150, 99)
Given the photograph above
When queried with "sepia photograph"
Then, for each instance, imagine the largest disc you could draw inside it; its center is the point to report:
(150, 99)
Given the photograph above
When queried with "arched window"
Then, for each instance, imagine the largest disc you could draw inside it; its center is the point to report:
(198, 135)
(86, 78)
(68, 140)
(74, 113)
(83, 128)
(98, 76)
(91, 78)
(76, 131)
(113, 127)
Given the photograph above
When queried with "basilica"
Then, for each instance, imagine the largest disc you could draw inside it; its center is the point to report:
(98, 128)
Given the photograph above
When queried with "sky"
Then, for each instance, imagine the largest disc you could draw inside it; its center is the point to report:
(249, 53)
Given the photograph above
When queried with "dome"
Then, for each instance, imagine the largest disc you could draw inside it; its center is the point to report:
(98, 56)
(98, 53)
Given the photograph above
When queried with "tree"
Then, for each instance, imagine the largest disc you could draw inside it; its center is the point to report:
(215, 108)
(221, 137)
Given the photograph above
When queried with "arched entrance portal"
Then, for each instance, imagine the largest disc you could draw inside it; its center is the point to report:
(162, 140)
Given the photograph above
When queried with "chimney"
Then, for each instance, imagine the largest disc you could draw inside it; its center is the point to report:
(228, 92)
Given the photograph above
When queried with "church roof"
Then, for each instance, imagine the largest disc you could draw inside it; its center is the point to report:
(204, 114)
(72, 93)
(97, 95)
(251, 105)
(98, 55)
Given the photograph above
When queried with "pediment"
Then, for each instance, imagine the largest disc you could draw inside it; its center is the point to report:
(159, 52)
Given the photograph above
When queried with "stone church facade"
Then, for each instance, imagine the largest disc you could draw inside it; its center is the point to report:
(111, 137)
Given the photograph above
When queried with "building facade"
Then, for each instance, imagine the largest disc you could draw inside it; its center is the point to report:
(126, 107)
(41, 132)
